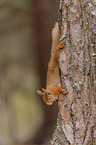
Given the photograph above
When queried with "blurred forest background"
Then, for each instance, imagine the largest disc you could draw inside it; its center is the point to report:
(25, 42)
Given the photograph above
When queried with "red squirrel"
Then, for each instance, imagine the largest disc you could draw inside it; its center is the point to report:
(52, 90)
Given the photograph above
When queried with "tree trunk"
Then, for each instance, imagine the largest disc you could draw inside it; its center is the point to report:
(77, 61)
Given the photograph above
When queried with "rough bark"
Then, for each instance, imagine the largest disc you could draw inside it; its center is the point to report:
(77, 61)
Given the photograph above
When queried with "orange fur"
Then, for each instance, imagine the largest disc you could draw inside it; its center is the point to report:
(53, 80)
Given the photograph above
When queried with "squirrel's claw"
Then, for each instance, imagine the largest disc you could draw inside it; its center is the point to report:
(61, 45)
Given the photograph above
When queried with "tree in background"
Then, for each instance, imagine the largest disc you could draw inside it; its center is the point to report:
(77, 61)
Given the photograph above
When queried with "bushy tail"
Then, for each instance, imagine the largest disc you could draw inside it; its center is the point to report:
(55, 37)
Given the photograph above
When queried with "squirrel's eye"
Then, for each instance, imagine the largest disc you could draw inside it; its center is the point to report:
(49, 98)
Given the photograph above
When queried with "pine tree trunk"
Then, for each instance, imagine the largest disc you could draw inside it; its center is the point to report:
(77, 61)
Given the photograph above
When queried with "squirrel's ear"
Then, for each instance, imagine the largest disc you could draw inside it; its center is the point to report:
(40, 93)
(45, 91)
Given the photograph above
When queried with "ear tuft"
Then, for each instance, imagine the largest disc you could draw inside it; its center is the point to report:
(44, 90)
(40, 93)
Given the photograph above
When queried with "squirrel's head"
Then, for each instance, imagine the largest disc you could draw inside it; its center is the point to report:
(47, 97)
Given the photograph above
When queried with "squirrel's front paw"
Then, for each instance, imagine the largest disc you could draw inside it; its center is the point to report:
(65, 92)
(61, 45)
